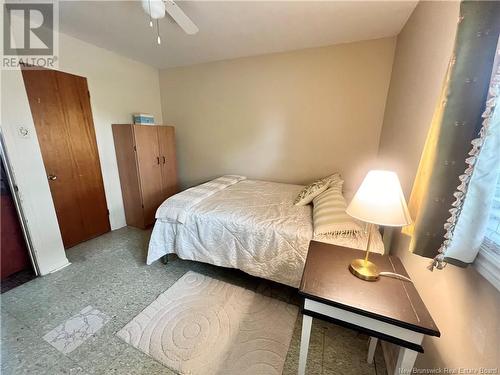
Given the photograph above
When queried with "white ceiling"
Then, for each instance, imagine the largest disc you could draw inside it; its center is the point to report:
(230, 29)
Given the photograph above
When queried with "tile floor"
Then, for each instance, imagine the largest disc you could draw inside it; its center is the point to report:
(109, 274)
(73, 332)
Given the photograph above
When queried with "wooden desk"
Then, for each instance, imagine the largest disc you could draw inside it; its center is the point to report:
(387, 309)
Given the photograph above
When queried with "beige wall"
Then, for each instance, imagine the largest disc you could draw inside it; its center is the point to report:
(118, 87)
(289, 117)
(464, 305)
(423, 52)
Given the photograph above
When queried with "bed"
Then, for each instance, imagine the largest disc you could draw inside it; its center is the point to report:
(246, 224)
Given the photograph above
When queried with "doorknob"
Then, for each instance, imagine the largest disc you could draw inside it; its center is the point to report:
(51, 177)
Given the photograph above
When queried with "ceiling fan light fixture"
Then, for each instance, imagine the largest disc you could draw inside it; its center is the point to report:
(154, 8)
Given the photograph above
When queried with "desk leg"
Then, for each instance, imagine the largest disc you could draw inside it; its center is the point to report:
(406, 360)
(304, 343)
(371, 349)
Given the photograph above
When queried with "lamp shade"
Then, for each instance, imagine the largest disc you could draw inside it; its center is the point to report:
(380, 200)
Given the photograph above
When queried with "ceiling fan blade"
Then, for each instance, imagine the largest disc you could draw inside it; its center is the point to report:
(180, 17)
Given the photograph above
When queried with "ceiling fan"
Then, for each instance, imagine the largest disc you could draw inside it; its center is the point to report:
(157, 9)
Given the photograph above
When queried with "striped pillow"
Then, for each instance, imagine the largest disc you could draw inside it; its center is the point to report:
(307, 194)
(334, 179)
(329, 217)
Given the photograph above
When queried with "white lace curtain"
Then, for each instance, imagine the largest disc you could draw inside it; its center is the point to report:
(466, 227)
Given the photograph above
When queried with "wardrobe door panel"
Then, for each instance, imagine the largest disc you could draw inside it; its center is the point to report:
(166, 135)
(129, 177)
(148, 161)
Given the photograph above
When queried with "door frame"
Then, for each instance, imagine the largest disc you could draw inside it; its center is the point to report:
(17, 202)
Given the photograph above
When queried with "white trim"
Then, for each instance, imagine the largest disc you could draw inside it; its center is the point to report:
(61, 267)
(364, 321)
(406, 358)
(487, 263)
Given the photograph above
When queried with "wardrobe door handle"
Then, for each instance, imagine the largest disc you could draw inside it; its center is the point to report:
(164, 160)
(158, 160)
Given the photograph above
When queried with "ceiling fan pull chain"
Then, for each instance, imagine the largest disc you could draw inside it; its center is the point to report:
(158, 30)
(150, 17)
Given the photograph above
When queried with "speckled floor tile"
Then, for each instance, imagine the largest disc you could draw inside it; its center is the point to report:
(65, 366)
(45, 308)
(133, 362)
(95, 355)
(24, 352)
(110, 274)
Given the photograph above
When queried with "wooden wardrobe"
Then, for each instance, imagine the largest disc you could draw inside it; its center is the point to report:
(147, 167)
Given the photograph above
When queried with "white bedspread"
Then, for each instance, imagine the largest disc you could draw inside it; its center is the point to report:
(177, 207)
(251, 225)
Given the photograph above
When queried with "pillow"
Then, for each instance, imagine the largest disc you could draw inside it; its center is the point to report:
(333, 179)
(330, 220)
(308, 193)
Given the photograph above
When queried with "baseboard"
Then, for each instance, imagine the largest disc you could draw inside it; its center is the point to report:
(60, 268)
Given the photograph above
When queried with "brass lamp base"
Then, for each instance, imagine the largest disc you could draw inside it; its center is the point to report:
(364, 269)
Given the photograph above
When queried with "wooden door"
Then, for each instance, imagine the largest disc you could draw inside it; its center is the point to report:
(60, 105)
(148, 161)
(166, 137)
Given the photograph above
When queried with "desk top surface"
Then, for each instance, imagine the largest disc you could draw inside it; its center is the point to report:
(327, 279)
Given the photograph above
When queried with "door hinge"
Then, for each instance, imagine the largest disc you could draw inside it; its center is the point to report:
(107, 210)
(88, 92)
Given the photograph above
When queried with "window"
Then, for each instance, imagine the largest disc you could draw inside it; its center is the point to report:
(488, 259)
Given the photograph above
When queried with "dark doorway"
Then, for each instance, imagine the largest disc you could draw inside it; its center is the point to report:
(15, 262)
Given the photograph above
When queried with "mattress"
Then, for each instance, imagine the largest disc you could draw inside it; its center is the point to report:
(252, 226)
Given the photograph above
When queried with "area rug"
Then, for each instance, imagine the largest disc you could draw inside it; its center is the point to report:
(202, 325)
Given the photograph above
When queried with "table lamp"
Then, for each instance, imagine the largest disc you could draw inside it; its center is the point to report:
(379, 200)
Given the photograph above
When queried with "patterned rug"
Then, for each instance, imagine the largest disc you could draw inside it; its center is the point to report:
(201, 325)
